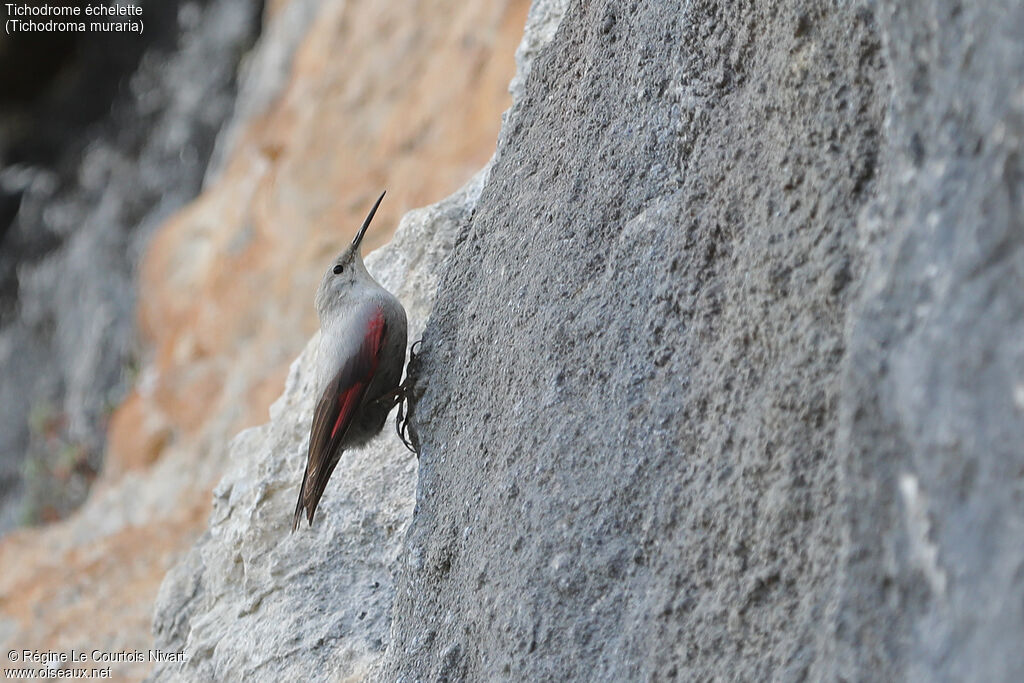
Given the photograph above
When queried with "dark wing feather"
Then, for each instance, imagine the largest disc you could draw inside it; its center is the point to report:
(334, 412)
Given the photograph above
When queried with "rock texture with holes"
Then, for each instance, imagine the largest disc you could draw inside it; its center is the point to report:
(724, 378)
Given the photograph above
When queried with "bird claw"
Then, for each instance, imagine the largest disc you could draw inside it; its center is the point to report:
(402, 428)
(402, 422)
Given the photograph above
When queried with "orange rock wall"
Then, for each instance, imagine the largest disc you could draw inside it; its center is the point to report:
(397, 96)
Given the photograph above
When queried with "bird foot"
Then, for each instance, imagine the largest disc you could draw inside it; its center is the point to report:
(402, 422)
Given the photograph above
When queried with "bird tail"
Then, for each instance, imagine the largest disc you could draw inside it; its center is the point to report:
(309, 496)
(299, 505)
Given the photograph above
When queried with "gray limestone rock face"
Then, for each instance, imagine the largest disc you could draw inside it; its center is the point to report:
(724, 378)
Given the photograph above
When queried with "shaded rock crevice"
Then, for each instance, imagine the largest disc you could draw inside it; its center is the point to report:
(931, 416)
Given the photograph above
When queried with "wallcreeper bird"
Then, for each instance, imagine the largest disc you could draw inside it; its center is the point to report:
(359, 366)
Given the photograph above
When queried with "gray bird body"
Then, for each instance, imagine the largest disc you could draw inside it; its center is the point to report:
(342, 333)
(360, 359)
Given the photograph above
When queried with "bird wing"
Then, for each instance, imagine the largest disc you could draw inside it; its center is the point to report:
(335, 410)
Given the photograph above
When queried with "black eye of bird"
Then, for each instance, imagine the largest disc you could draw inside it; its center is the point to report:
(337, 269)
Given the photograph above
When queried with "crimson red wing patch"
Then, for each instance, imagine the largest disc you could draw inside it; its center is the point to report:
(334, 412)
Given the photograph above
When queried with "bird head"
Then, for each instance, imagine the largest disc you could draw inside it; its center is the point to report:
(346, 272)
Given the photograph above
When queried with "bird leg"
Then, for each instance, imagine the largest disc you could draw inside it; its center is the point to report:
(399, 397)
(392, 398)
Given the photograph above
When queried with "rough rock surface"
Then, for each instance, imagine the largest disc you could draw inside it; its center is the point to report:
(725, 378)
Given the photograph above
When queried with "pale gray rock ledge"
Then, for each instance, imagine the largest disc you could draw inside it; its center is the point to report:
(252, 599)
